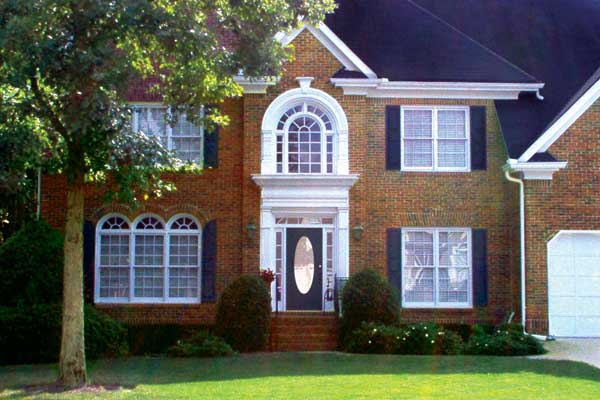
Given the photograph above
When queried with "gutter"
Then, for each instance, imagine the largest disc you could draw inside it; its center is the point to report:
(522, 243)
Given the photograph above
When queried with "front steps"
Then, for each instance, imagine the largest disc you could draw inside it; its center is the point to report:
(303, 331)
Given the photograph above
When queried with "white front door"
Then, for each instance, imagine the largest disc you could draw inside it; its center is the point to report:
(574, 284)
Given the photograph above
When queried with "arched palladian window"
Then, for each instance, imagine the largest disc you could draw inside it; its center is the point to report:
(148, 261)
(305, 142)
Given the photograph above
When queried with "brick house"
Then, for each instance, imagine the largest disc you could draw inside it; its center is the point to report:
(403, 137)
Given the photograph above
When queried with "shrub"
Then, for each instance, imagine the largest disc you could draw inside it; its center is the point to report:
(422, 339)
(367, 297)
(31, 266)
(507, 340)
(202, 344)
(244, 314)
(32, 334)
(104, 335)
(156, 339)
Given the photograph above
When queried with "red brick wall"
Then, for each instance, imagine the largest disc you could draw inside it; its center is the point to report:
(570, 201)
(216, 194)
(380, 199)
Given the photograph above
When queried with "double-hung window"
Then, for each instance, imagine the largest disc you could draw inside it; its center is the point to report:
(436, 265)
(435, 138)
(181, 136)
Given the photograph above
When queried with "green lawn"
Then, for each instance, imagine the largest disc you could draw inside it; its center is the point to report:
(319, 376)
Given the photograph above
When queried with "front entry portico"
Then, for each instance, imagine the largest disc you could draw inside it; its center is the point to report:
(305, 184)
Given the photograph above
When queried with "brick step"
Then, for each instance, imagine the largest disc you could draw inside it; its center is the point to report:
(287, 327)
(304, 331)
(303, 346)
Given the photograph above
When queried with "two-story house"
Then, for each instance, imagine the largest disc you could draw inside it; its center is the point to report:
(452, 146)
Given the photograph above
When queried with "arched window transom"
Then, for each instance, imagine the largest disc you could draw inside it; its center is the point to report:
(305, 141)
(154, 262)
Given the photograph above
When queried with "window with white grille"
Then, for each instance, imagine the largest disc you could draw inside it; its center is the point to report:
(435, 138)
(305, 141)
(149, 261)
(436, 264)
(181, 136)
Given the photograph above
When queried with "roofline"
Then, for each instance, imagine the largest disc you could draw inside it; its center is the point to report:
(560, 126)
(333, 43)
(381, 88)
(478, 43)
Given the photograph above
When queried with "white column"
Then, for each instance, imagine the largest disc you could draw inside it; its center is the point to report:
(343, 265)
(268, 149)
(267, 249)
(343, 164)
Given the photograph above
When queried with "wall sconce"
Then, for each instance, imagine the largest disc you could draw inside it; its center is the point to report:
(357, 232)
(251, 230)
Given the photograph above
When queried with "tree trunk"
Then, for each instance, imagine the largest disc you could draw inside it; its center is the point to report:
(72, 350)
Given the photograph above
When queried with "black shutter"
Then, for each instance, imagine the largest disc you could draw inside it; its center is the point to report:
(394, 259)
(392, 137)
(211, 147)
(209, 261)
(478, 138)
(480, 275)
(89, 246)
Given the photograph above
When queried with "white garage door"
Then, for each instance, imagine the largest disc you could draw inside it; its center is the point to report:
(574, 284)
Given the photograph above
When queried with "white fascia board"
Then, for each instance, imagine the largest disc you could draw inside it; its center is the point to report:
(555, 131)
(383, 88)
(257, 86)
(535, 170)
(333, 43)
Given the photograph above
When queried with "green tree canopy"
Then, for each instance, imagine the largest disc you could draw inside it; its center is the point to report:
(72, 61)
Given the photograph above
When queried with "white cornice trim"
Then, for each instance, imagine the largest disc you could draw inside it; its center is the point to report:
(256, 86)
(305, 180)
(383, 88)
(333, 43)
(535, 170)
(561, 125)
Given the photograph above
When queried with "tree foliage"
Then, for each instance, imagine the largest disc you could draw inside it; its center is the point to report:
(72, 60)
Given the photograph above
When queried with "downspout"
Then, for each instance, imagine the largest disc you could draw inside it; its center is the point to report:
(39, 194)
(522, 242)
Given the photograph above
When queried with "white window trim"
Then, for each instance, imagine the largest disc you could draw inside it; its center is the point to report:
(168, 129)
(315, 97)
(436, 304)
(132, 232)
(434, 110)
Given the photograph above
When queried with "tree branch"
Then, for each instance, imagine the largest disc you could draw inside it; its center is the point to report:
(56, 124)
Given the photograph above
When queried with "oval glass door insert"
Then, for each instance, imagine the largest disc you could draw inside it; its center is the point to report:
(304, 264)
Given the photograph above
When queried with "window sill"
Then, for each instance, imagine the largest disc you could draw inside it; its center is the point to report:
(438, 307)
(433, 171)
(150, 302)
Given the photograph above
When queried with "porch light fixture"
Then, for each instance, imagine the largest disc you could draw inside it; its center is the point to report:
(357, 232)
(251, 230)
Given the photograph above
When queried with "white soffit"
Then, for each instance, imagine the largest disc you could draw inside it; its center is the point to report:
(382, 88)
(536, 170)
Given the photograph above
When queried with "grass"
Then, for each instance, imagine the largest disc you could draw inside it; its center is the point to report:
(317, 375)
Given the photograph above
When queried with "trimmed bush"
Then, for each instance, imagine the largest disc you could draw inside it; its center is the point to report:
(156, 339)
(31, 266)
(32, 334)
(202, 344)
(104, 335)
(367, 297)
(244, 314)
(507, 340)
(421, 339)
